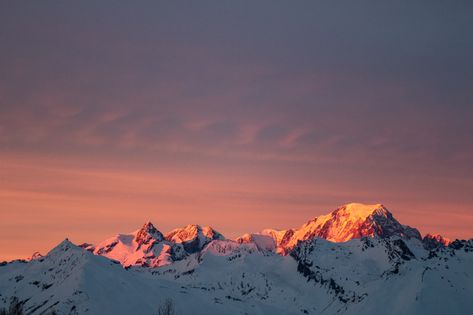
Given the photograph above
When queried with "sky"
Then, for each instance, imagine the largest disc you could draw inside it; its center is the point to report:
(240, 115)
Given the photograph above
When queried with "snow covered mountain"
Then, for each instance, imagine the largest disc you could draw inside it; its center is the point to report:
(432, 241)
(350, 221)
(193, 237)
(145, 247)
(376, 266)
(148, 247)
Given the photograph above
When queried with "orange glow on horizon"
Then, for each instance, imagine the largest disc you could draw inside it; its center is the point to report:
(237, 116)
(43, 202)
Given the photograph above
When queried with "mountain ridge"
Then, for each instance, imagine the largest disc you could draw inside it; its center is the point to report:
(389, 269)
(148, 246)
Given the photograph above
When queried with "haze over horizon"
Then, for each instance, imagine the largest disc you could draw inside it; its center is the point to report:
(241, 116)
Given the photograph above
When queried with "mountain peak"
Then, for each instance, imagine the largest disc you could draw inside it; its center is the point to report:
(148, 226)
(66, 243)
(351, 213)
(210, 233)
(186, 233)
(353, 220)
(64, 246)
(360, 210)
(147, 232)
(193, 237)
(432, 241)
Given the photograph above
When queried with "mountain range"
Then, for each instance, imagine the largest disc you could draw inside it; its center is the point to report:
(356, 259)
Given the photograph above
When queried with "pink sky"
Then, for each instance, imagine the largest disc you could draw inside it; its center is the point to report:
(240, 116)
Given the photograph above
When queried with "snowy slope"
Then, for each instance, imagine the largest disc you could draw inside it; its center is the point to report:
(372, 276)
(226, 278)
(393, 276)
